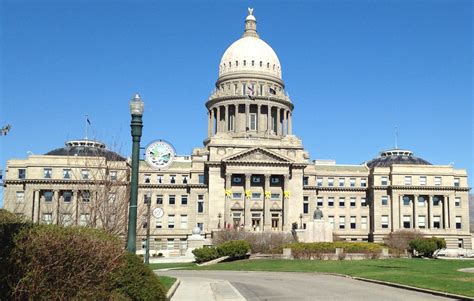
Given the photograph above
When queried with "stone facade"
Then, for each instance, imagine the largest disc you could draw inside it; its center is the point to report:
(253, 173)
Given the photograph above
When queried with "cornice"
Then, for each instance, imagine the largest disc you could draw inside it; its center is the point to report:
(322, 188)
(240, 99)
(174, 186)
(63, 182)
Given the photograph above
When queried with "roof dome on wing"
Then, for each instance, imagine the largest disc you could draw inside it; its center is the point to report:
(396, 156)
(86, 148)
(250, 54)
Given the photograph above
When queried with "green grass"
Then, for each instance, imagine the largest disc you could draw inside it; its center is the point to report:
(157, 266)
(167, 281)
(440, 275)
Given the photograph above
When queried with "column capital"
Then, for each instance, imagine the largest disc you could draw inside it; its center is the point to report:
(248, 175)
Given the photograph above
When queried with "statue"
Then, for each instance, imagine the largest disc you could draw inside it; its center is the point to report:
(318, 214)
(250, 9)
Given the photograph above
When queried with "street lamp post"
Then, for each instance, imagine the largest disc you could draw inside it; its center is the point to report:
(301, 220)
(136, 110)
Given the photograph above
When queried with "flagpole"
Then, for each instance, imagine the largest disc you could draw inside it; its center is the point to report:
(87, 127)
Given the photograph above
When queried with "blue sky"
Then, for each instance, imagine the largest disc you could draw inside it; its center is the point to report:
(354, 70)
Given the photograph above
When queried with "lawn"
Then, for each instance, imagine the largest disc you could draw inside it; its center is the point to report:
(440, 275)
(158, 266)
(167, 281)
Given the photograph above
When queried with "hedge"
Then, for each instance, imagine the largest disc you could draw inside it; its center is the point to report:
(205, 254)
(318, 249)
(235, 249)
(427, 246)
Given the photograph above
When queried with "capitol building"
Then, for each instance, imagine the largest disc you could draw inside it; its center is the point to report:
(251, 173)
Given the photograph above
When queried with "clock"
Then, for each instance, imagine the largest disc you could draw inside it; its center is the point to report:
(159, 154)
(157, 212)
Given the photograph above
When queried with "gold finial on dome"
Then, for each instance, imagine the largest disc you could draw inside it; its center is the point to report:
(250, 25)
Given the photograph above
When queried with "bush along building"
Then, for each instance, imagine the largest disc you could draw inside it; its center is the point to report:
(252, 173)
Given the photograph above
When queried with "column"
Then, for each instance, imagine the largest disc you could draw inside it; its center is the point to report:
(266, 188)
(55, 206)
(219, 127)
(400, 215)
(269, 119)
(392, 213)
(445, 212)
(430, 211)
(247, 111)
(236, 118)
(75, 202)
(285, 125)
(226, 118)
(209, 123)
(284, 213)
(290, 123)
(247, 213)
(278, 121)
(259, 115)
(226, 213)
(452, 213)
(415, 211)
(36, 206)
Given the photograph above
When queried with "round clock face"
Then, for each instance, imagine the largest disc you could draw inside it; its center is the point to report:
(159, 154)
(157, 212)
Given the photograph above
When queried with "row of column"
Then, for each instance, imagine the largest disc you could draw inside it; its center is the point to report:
(283, 117)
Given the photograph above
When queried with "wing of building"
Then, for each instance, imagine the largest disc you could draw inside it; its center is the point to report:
(253, 173)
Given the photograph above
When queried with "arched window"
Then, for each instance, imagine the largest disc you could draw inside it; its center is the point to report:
(245, 63)
(253, 63)
(261, 64)
(236, 63)
(268, 65)
(230, 64)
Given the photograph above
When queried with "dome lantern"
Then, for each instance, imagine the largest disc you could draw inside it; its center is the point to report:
(250, 25)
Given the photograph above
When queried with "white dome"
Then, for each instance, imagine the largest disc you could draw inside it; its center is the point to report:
(250, 54)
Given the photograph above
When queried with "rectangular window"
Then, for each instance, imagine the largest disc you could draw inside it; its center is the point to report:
(422, 180)
(384, 181)
(275, 179)
(113, 175)
(353, 222)
(330, 202)
(305, 181)
(172, 199)
(406, 200)
(170, 221)
(172, 179)
(66, 174)
(384, 221)
(275, 196)
(437, 181)
(200, 203)
(342, 182)
(86, 196)
(363, 182)
(236, 179)
(320, 202)
(84, 219)
(458, 222)
(159, 223)
(47, 173)
(237, 195)
(21, 173)
(407, 221)
(48, 195)
(170, 243)
(457, 202)
(319, 182)
(20, 196)
(421, 221)
(184, 199)
(352, 182)
(436, 200)
(421, 201)
(67, 196)
(252, 121)
(201, 178)
(256, 179)
(363, 202)
(331, 221)
(457, 183)
(147, 178)
(384, 200)
(256, 195)
(48, 218)
(159, 199)
(460, 243)
(305, 204)
(330, 182)
(436, 221)
(200, 226)
(342, 202)
(159, 179)
(85, 174)
(363, 222)
(184, 221)
(342, 222)
(66, 219)
(352, 202)
(407, 180)
(185, 179)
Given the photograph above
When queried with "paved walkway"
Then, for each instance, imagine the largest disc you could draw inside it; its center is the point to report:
(234, 285)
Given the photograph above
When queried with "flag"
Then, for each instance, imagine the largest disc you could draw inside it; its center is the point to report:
(251, 95)
(88, 121)
(272, 91)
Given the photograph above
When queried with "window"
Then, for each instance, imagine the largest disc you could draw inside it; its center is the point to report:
(170, 221)
(436, 221)
(342, 202)
(422, 180)
(436, 200)
(406, 200)
(48, 195)
(159, 223)
(172, 179)
(331, 220)
(184, 221)
(84, 219)
(67, 196)
(342, 182)
(363, 202)
(184, 199)
(331, 182)
(305, 204)
(236, 179)
(236, 195)
(201, 178)
(66, 219)
(66, 174)
(86, 196)
(159, 179)
(170, 244)
(456, 182)
(21, 173)
(256, 195)
(457, 202)
(48, 218)
(244, 89)
(47, 173)
(85, 174)
(407, 221)
(384, 181)
(319, 202)
(384, 221)
(256, 179)
(384, 200)
(437, 181)
(275, 220)
(172, 199)
(275, 179)
(253, 121)
(460, 243)
(330, 202)
(407, 180)
(275, 196)
(342, 222)
(146, 198)
(200, 203)
(363, 182)
(363, 222)
(147, 178)
(305, 181)
(352, 202)
(421, 221)
(159, 199)
(200, 226)
(319, 182)
(421, 201)
(185, 179)
(458, 222)
(352, 182)
(20, 196)
(145, 223)
(353, 222)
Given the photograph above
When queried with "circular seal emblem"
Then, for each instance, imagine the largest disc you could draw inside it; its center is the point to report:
(159, 154)
(157, 212)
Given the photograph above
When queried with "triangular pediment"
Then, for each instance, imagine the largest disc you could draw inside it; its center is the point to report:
(236, 206)
(256, 206)
(258, 154)
(275, 206)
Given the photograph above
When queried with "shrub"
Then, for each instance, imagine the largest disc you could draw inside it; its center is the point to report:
(135, 281)
(205, 254)
(400, 239)
(427, 246)
(260, 242)
(233, 249)
(318, 250)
